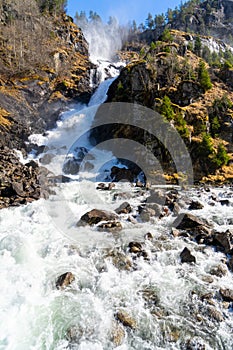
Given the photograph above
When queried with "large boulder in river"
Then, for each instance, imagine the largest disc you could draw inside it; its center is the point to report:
(186, 256)
(188, 221)
(95, 216)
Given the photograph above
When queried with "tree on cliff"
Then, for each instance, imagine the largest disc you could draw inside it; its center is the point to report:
(52, 6)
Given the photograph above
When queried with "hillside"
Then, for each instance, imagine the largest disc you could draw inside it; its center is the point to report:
(44, 63)
(172, 76)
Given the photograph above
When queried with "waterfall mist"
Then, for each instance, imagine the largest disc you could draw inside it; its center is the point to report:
(104, 39)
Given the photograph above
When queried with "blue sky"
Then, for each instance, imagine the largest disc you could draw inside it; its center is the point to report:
(124, 10)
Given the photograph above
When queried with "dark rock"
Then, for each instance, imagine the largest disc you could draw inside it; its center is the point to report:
(124, 208)
(94, 216)
(121, 174)
(188, 221)
(226, 294)
(224, 239)
(230, 264)
(64, 280)
(105, 187)
(195, 205)
(135, 247)
(187, 257)
(225, 202)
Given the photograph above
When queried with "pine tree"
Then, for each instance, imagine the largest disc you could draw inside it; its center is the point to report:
(203, 76)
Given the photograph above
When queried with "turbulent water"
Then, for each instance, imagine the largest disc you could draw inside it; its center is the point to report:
(41, 241)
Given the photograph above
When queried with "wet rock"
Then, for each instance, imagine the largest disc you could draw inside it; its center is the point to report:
(188, 221)
(95, 216)
(175, 232)
(149, 211)
(46, 159)
(137, 249)
(110, 226)
(124, 208)
(207, 279)
(195, 205)
(225, 202)
(148, 236)
(224, 239)
(105, 187)
(151, 297)
(120, 260)
(117, 334)
(158, 197)
(126, 319)
(65, 280)
(226, 294)
(186, 256)
(219, 270)
(215, 314)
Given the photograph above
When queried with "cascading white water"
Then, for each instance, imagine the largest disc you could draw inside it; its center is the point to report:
(40, 241)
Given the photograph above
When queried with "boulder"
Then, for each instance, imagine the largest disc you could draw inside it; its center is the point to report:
(224, 240)
(215, 314)
(219, 270)
(186, 256)
(195, 205)
(137, 249)
(124, 208)
(188, 221)
(126, 319)
(64, 280)
(95, 216)
(226, 294)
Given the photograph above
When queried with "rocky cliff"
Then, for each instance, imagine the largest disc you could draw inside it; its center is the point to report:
(44, 64)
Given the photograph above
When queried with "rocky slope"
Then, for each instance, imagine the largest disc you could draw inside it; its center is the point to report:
(44, 65)
(169, 77)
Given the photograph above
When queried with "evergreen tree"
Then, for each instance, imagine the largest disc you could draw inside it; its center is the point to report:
(166, 108)
(149, 21)
(203, 76)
